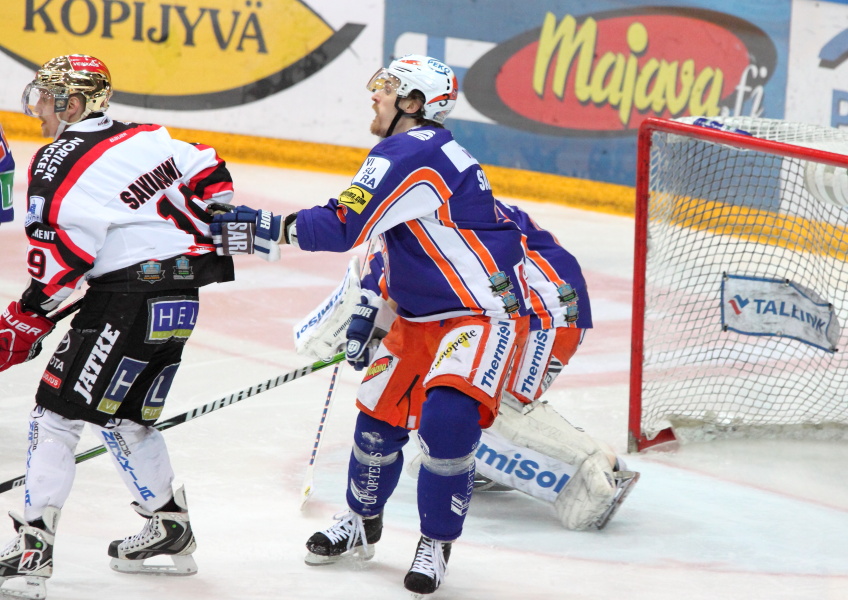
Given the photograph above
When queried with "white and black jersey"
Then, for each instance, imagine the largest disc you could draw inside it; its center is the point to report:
(122, 205)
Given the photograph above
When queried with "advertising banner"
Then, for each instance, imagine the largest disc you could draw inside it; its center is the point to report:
(561, 86)
(281, 68)
(817, 86)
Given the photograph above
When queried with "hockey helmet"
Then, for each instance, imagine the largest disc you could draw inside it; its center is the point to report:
(434, 79)
(60, 78)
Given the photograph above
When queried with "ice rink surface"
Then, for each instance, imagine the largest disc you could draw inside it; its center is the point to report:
(733, 520)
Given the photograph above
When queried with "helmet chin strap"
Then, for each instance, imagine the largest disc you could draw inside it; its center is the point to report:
(398, 116)
(64, 124)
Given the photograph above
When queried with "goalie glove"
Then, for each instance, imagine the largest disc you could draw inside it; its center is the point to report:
(21, 332)
(244, 230)
(369, 324)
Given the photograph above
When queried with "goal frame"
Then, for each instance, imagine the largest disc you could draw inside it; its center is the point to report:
(637, 440)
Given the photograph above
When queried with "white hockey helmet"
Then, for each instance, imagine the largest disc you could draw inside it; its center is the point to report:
(434, 79)
(60, 78)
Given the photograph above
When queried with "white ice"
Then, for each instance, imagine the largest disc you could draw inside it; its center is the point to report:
(741, 520)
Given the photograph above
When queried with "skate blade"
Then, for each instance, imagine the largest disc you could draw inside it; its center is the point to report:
(625, 480)
(181, 565)
(23, 588)
(358, 554)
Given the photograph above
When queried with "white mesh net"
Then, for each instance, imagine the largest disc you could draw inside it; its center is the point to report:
(713, 211)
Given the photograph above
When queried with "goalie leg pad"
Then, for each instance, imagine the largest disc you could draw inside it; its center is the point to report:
(588, 495)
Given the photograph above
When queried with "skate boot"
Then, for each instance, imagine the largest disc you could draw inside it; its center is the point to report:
(429, 567)
(624, 482)
(352, 533)
(167, 534)
(27, 561)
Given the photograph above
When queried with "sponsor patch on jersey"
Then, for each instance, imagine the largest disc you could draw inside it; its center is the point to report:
(171, 317)
(34, 210)
(458, 155)
(372, 171)
(377, 368)
(355, 198)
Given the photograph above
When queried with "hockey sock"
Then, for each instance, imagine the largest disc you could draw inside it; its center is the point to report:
(50, 461)
(376, 462)
(141, 458)
(449, 434)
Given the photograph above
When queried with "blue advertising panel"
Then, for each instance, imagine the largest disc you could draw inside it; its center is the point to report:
(561, 86)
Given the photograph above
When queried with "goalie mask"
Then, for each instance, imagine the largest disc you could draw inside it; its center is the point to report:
(60, 78)
(432, 78)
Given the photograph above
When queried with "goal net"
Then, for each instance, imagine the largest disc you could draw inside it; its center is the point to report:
(740, 281)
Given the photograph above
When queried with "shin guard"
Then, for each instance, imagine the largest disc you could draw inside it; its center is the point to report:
(376, 462)
(449, 434)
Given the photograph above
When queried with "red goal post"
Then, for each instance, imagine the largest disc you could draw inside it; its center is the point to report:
(740, 285)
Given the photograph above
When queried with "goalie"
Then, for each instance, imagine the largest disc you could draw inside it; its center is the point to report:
(530, 447)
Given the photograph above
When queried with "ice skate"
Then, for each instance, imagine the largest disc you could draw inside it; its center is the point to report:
(624, 482)
(27, 561)
(428, 568)
(165, 534)
(352, 534)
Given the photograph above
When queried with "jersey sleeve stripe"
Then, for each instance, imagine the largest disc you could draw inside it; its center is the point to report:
(423, 176)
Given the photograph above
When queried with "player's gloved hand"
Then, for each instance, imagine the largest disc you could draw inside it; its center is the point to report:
(21, 332)
(362, 335)
(245, 230)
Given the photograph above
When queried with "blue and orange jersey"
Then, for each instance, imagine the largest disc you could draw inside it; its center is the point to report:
(558, 293)
(447, 251)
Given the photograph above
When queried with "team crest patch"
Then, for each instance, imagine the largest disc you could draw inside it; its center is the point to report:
(355, 198)
(151, 272)
(182, 269)
(34, 211)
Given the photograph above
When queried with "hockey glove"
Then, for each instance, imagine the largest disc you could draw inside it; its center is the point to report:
(363, 336)
(245, 230)
(21, 333)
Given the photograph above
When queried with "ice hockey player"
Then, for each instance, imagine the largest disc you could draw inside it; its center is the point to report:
(455, 278)
(530, 447)
(7, 178)
(123, 207)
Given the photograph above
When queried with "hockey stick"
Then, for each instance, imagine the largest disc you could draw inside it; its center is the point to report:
(203, 410)
(66, 310)
(306, 489)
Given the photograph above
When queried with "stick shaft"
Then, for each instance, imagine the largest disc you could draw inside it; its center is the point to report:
(307, 487)
(207, 408)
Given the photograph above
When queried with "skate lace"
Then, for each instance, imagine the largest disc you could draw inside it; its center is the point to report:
(149, 532)
(13, 546)
(349, 526)
(430, 560)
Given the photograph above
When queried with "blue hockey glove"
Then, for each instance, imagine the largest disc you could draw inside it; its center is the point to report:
(245, 230)
(361, 340)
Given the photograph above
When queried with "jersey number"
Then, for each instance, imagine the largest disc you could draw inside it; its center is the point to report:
(181, 220)
(37, 262)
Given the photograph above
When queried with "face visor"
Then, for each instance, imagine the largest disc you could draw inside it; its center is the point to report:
(383, 80)
(38, 101)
